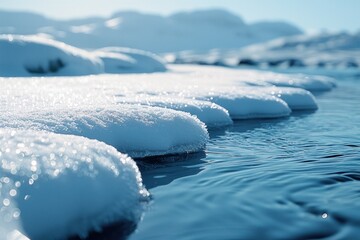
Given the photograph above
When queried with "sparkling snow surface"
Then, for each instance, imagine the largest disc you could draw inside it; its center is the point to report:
(59, 185)
(136, 113)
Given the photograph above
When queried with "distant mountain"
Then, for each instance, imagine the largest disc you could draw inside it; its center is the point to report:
(197, 30)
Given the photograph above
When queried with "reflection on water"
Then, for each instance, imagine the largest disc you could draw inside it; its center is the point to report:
(292, 178)
(157, 171)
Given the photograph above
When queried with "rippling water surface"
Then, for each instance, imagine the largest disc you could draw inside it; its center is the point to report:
(292, 178)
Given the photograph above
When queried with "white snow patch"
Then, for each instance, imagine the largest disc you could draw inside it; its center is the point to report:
(35, 55)
(48, 183)
(85, 29)
(113, 23)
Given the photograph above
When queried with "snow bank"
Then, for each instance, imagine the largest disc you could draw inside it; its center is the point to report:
(139, 131)
(126, 60)
(38, 56)
(253, 106)
(296, 98)
(209, 113)
(48, 183)
(148, 114)
(181, 88)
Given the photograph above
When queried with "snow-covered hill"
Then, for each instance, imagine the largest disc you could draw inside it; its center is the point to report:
(321, 50)
(198, 30)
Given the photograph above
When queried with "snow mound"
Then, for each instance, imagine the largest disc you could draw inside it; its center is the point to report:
(296, 98)
(139, 131)
(126, 60)
(48, 183)
(39, 56)
(252, 106)
(309, 82)
(209, 113)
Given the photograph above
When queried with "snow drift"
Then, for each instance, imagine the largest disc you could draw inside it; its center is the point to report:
(36, 56)
(48, 183)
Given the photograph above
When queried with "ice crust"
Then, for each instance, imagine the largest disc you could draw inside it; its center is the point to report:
(60, 185)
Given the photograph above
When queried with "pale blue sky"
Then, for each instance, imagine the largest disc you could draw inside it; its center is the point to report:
(310, 15)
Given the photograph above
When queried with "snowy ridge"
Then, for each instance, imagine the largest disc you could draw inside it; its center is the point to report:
(48, 183)
(323, 51)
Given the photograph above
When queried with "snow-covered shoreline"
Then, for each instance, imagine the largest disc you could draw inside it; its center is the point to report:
(59, 130)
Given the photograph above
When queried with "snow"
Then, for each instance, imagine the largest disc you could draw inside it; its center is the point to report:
(139, 131)
(35, 55)
(312, 83)
(296, 98)
(126, 60)
(322, 50)
(253, 106)
(151, 114)
(48, 183)
(195, 30)
(208, 112)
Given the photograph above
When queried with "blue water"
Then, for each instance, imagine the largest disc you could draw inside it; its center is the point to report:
(290, 178)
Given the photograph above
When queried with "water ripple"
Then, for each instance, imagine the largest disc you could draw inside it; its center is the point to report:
(293, 178)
